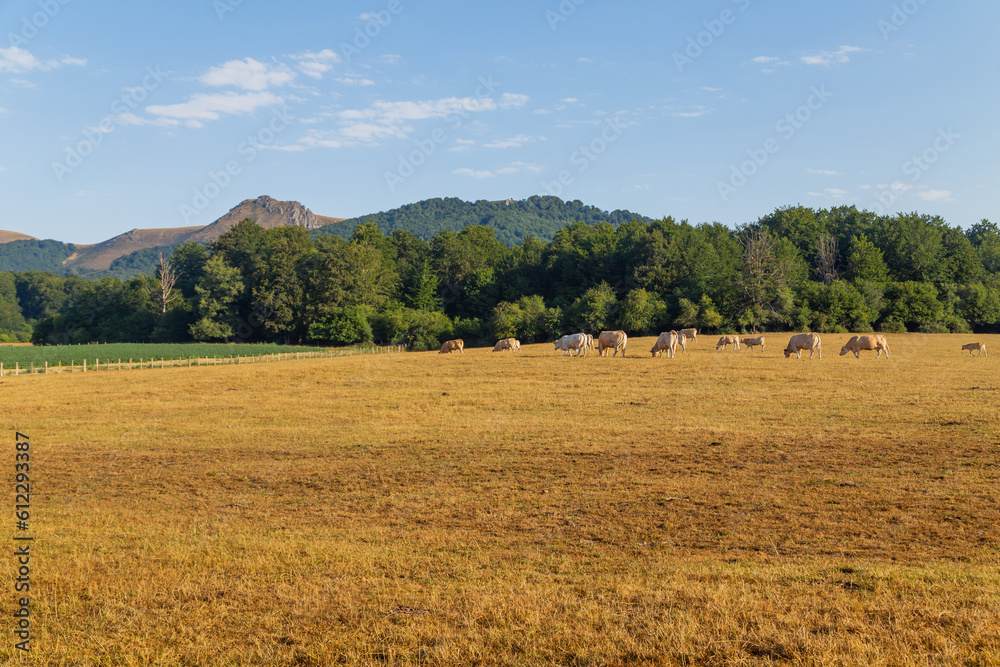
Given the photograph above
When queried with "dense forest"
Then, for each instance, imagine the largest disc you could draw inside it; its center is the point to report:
(829, 270)
(513, 221)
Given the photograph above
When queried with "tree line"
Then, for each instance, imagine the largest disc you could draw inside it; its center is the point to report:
(826, 270)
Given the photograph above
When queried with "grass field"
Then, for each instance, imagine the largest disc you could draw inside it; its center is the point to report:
(65, 354)
(719, 508)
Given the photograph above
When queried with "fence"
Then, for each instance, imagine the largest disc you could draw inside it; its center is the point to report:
(131, 364)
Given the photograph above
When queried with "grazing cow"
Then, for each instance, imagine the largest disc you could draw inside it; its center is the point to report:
(571, 342)
(667, 341)
(750, 343)
(690, 333)
(507, 344)
(590, 342)
(858, 343)
(682, 341)
(971, 347)
(450, 346)
(726, 341)
(799, 342)
(612, 340)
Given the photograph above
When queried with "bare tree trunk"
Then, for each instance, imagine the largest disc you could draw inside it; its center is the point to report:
(826, 259)
(163, 293)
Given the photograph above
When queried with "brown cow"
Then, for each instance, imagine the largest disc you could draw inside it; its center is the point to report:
(858, 343)
(750, 343)
(799, 342)
(450, 346)
(972, 347)
(726, 341)
(612, 340)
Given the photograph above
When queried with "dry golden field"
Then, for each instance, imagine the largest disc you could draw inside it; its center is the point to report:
(720, 508)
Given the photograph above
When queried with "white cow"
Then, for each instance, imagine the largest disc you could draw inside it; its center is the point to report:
(726, 341)
(750, 343)
(799, 342)
(858, 343)
(690, 333)
(571, 342)
(612, 340)
(512, 344)
(667, 341)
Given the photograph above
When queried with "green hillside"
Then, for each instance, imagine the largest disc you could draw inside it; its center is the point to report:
(35, 255)
(540, 217)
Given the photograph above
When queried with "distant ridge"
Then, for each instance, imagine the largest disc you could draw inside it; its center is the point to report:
(267, 211)
(512, 220)
(7, 237)
(100, 256)
(137, 251)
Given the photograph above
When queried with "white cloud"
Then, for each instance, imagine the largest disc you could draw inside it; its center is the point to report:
(513, 142)
(513, 101)
(935, 195)
(473, 173)
(315, 65)
(247, 74)
(827, 58)
(895, 187)
(822, 172)
(689, 112)
(462, 146)
(764, 60)
(393, 120)
(389, 59)
(16, 60)
(352, 81)
(203, 107)
(2, 110)
(512, 168)
(22, 83)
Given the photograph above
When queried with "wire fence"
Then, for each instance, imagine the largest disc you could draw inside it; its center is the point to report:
(131, 364)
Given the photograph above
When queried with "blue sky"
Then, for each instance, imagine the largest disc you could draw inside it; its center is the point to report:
(121, 115)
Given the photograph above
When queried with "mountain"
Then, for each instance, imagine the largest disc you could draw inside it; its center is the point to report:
(99, 257)
(268, 212)
(512, 220)
(137, 251)
(14, 236)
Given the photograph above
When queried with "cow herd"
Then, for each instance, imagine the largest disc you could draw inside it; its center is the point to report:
(668, 342)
